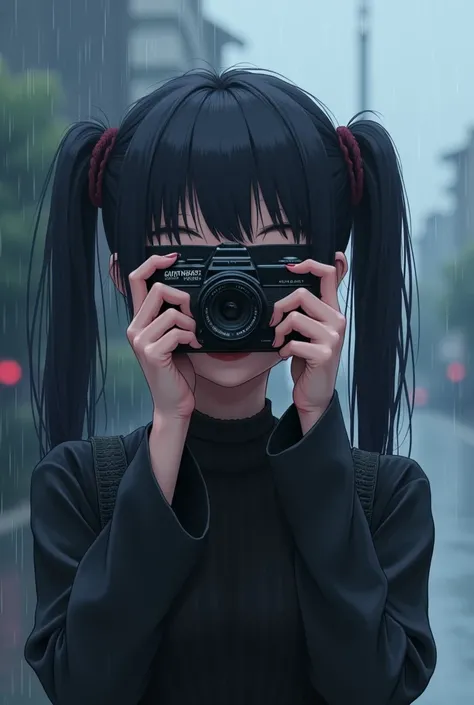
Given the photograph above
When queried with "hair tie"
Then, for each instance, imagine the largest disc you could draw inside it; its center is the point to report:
(353, 158)
(99, 158)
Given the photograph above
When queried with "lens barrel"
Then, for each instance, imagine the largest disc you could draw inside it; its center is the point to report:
(231, 306)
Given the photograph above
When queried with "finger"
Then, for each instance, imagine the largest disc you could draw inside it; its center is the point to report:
(137, 279)
(162, 324)
(160, 293)
(160, 351)
(314, 330)
(311, 305)
(327, 275)
(313, 354)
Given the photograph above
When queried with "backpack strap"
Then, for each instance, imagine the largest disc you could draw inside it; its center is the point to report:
(366, 467)
(110, 463)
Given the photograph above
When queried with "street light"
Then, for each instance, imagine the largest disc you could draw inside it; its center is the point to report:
(364, 37)
(10, 372)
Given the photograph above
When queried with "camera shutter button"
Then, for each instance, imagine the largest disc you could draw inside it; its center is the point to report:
(290, 260)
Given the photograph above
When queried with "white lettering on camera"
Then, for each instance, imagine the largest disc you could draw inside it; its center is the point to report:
(188, 274)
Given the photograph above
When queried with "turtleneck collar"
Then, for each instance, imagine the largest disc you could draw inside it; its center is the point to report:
(231, 444)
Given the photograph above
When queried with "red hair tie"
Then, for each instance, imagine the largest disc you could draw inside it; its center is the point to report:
(353, 158)
(99, 158)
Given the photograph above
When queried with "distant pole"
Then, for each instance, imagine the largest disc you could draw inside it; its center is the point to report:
(364, 46)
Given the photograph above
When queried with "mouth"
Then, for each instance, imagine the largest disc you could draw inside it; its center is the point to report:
(228, 357)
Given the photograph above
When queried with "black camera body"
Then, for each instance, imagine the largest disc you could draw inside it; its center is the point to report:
(233, 290)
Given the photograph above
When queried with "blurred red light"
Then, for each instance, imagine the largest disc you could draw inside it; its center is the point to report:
(10, 372)
(420, 397)
(456, 372)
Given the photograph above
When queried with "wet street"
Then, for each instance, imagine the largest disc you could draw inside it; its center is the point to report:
(446, 453)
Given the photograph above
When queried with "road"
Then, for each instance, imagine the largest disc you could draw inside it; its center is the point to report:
(446, 452)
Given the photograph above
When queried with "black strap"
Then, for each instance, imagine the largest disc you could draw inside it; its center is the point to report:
(366, 467)
(110, 463)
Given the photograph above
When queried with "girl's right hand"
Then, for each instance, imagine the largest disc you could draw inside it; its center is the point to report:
(154, 337)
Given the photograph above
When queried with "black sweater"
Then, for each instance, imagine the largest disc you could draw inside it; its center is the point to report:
(261, 585)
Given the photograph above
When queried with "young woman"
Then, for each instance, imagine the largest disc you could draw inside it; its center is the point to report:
(238, 566)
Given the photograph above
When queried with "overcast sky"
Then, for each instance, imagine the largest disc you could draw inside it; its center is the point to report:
(422, 70)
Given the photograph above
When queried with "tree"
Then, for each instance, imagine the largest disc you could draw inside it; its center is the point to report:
(29, 134)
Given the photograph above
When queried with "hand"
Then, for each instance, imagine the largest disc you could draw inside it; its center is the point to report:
(315, 363)
(154, 337)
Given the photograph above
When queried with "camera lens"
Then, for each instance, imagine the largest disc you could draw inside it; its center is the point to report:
(231, 307)
(230, 310)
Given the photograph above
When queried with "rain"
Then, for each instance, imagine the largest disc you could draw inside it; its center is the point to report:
(410, 62)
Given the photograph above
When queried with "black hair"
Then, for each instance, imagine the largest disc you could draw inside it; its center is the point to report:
(215, 140)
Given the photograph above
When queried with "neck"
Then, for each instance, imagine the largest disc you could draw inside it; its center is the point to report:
(231, 402)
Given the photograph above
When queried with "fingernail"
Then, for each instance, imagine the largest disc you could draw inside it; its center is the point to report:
(172, 254)
(290, 265)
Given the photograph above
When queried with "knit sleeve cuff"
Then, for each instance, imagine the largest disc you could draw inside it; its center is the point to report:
(190, 504)
(327, 435)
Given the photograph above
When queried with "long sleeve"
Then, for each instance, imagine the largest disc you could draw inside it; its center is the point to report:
(102, 595)
(363, 597)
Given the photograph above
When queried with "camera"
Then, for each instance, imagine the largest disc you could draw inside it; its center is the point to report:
(233, 290)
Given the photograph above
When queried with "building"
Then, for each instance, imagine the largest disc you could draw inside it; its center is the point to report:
(446, 235)
(462, 190)
(108, 52)
(444, 361)
(168, 37)
(435, 247)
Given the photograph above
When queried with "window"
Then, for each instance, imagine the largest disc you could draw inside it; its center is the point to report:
(153, 47)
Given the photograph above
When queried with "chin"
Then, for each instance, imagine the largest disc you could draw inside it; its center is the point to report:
(233, 373)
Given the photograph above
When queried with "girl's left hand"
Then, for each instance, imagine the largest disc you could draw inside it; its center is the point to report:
(315, 363)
